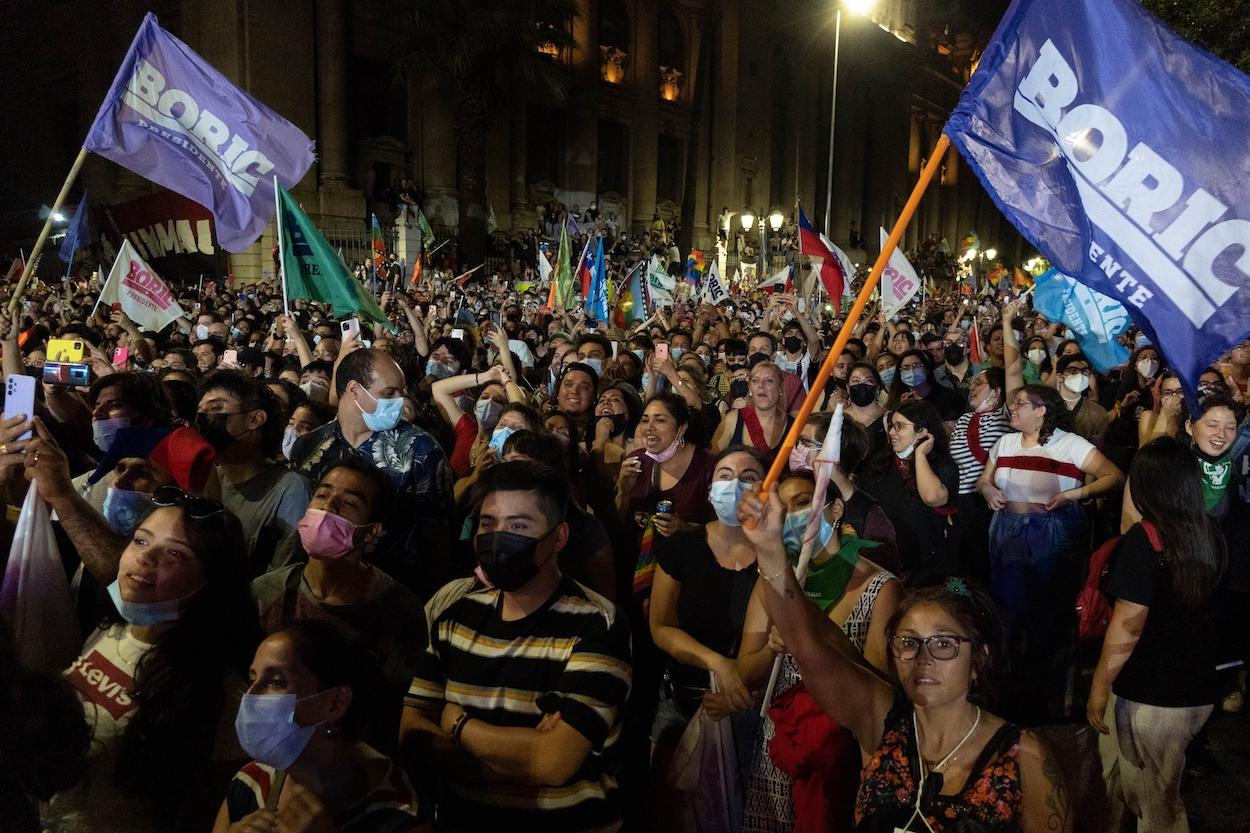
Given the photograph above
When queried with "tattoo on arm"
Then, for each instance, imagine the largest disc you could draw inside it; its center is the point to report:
(1060, 809)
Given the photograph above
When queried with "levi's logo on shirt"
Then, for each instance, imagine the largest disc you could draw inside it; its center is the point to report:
(103, 683)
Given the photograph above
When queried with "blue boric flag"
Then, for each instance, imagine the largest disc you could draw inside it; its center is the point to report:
(597, 297)
(1094, 319)
(79, 231)
(1123, 154)
(174, 119)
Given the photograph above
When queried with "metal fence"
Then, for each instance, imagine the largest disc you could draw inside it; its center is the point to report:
(356, 242)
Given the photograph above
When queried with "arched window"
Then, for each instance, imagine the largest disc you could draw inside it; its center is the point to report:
(613, 40)
(672, 51)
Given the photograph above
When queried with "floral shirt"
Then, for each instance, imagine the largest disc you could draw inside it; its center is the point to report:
(989, 802)
(415, 546)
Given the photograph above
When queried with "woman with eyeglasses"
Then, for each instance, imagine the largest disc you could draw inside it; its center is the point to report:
(1167, 418)
(155, 682)
(1156, 683)
(916, 481)
(309, 693)
(937, 759)
(1035, 482)
(915, 382)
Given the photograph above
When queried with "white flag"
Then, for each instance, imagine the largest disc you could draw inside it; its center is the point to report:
(660, 283)
(778, 279)
(143, 296)
(900, 283)
(714, 291)
(544, 267)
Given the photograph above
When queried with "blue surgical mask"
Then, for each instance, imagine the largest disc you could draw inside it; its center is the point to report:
(104, 431)
(289, 436)
(913, 377)
(267, 730)
(487, 412)
(795, 525)
(316, 340)
(235, 332)
(437, 369)
(678, 352)
(887, 376)
(386, 412)
(498, 438)
(965, 323)
(724, 498)
(124, 509)
(595, 364)
(144, 614)
(639, 353)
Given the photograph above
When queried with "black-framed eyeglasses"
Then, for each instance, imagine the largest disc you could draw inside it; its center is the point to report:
(197, 507)
(940, 646)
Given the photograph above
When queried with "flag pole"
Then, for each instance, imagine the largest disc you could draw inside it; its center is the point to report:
(861, 301)
(277, 201)
(29, 265)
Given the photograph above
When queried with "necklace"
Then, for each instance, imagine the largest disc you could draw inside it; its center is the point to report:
(940, 765)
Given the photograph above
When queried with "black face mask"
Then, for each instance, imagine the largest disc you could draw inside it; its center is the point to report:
(618, 422)
(792, 343)
(863, 394)
(507, 558)
(213, 429)
(954, 353)
(738, 388)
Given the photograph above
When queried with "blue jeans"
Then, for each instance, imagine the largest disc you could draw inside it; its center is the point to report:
(1035, 562)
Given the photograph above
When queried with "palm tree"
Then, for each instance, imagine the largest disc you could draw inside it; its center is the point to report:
(484, 54)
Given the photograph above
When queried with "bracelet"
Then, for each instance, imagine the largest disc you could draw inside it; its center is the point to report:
(457, 728)
(475, 382)
(774, 576)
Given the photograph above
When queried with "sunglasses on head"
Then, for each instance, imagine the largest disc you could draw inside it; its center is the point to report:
(196, 507)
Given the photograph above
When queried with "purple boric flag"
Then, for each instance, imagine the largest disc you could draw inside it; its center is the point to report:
(1123, 153)
(174, 119)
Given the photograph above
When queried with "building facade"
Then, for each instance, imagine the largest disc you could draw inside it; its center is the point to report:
(723, 104)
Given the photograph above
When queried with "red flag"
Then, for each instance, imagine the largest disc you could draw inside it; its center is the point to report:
(974, 342)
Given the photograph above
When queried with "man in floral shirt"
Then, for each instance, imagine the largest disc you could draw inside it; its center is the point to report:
(415, 548)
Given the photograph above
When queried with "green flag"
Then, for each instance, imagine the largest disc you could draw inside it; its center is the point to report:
(564, 273)
(427, 233)
(312, 269)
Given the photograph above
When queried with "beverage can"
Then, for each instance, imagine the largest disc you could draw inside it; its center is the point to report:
(664, 507)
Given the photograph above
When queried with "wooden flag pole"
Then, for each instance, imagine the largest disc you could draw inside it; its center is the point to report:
(844, 335)
(29, 266)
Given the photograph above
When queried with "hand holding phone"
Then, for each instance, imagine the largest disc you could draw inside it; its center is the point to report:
(661, 351)
(19, 398)
(350, 326)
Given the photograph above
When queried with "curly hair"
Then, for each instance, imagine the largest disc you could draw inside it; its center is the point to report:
(1057, 414)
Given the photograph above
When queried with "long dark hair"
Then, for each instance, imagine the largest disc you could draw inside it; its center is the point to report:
(1057, 414)
(1166, 486)
(180, 682)
(897, 388)
(921, 414)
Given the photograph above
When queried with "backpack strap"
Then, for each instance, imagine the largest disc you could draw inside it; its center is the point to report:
(1152, 532)
(290, 594)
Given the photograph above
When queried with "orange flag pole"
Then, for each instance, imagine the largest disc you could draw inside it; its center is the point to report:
(839, 344)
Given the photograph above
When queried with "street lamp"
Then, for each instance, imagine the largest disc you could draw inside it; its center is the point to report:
(858, 7)
(747, 219)
(774, 222)
(990, 254)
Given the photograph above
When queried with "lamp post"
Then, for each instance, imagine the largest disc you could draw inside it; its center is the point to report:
(774, 222)
(859, 7)
(748, 220)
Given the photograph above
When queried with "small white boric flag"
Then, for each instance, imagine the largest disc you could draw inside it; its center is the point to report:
(900, 283)
(714, 291)
(139, 291)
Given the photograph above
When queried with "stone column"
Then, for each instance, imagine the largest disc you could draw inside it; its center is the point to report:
(437, 177)
(518, 161)
(583, 124)
(331, 40)
(645, 64)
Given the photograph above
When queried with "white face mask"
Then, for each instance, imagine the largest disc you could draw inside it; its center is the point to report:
(1147, 367)
(1037, 355)
(1078, 383)
(289, 436)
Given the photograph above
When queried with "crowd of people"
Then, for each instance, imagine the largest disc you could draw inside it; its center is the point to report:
(497, 566)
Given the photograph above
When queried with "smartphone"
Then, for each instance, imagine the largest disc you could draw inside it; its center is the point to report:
(495, 318)
(350, 326)
(230, 357)
(661, 351)
(19, 397)
(120, 356)
(458, 334)
(65, 373)
(433, 313)
(65, 350)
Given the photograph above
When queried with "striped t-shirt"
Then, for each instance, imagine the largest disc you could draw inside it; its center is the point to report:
(991, 426)
(1038, 473)
(573, 654)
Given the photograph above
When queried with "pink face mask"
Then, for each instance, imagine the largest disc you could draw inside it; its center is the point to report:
(800, 459)
(667, 454)
(325, 535)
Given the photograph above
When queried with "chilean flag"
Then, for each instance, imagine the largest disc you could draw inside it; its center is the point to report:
(586, 269)
(836, 269)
